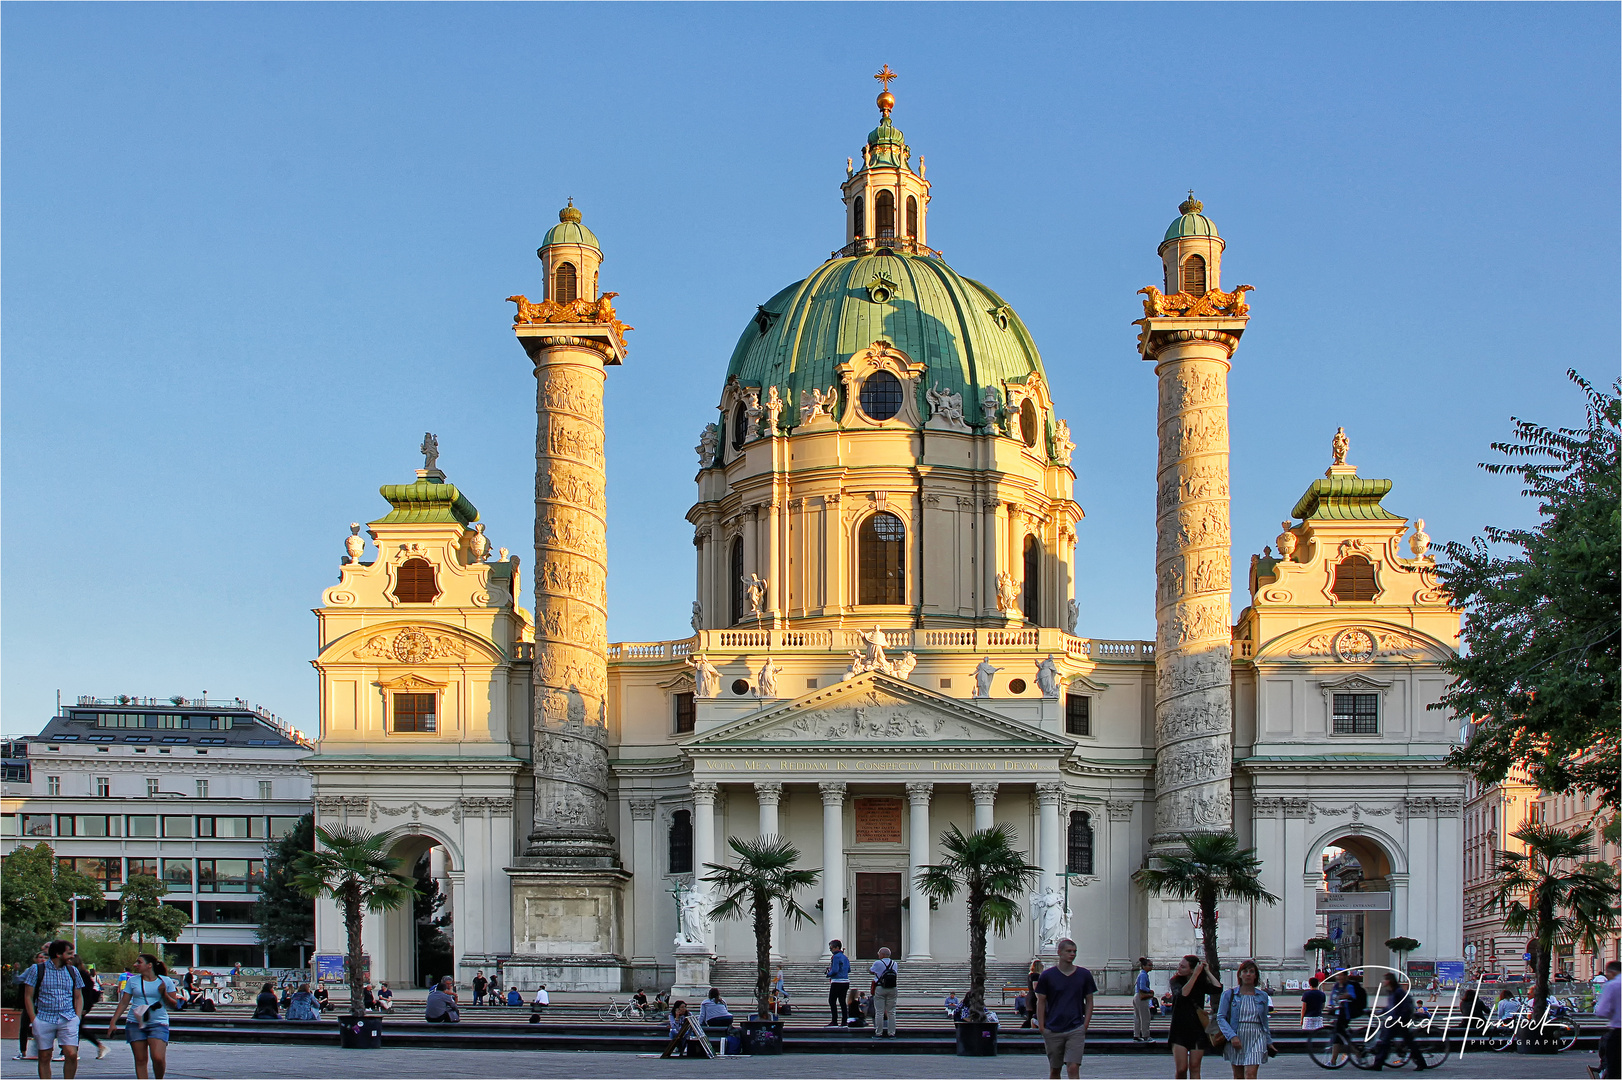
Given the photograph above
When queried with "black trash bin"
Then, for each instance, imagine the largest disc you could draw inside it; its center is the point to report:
(976, 1040)
(360, 1032)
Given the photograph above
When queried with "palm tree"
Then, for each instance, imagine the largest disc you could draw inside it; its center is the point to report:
(1402, 946)
(985, 865)
(1211, 867)
(355, 871)
(1555, 894)
(765, 875)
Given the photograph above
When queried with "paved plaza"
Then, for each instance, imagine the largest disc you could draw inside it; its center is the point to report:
(222, 1060)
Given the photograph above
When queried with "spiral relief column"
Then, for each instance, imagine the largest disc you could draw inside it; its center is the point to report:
(567, 884)
(1190, 332)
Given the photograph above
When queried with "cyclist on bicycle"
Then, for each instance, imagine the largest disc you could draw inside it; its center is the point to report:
(1397, 1022)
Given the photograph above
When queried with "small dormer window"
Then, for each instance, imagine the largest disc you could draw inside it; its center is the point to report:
(1354, 579)
(1194, 275)
(912, 216)
(565, 283)
(861, 216)
(884, 213)
(414, 582)
(740, 427)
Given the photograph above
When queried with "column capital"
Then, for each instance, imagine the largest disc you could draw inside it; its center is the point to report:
(1050, 794)
(769, 794)
(704, 792)
(833, 794)
(642, 809)
(919, 793)
(1119, 811)
(984, 792)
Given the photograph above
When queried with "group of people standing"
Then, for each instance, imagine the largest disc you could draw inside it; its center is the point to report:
(58, 992)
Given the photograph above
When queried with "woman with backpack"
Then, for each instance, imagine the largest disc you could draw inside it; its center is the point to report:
(147, 997)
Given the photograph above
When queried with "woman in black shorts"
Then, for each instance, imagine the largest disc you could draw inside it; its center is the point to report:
(1190, 987)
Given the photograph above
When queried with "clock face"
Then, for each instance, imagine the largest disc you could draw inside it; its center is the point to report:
(412, 647)
(1354, 646)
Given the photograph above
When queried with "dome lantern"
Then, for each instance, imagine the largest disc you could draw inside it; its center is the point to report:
(1192, 251)
(571, 256)
(886, 201)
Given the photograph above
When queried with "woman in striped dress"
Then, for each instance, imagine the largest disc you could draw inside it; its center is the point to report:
(1242, 1016)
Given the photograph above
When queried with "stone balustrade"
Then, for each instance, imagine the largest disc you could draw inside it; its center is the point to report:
(903, 639)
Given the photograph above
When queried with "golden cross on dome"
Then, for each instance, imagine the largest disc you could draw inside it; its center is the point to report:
(885, 75)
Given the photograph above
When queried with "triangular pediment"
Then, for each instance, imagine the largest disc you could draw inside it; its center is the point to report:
(876, 710)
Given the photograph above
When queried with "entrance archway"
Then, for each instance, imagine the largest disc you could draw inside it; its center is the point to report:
(416, 937)
(1355, 899)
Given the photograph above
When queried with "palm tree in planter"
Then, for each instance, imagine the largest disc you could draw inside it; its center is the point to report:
(985, 866)
(1211, 867)
(1555, 894)
(765, 875)
(351, 866)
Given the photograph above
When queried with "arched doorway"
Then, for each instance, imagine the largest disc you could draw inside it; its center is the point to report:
(417, 940)
(1355, 900)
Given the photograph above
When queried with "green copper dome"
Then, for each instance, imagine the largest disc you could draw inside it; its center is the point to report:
(967, 335)
(1192, 223)
(568, 230)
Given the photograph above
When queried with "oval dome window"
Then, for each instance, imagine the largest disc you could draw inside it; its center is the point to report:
(1028, 422)
(881, 395)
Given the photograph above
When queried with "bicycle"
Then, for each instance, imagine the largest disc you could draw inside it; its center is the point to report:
(615, 1010)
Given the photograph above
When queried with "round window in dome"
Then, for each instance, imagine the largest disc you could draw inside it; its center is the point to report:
(881, 395)
(1027, 421)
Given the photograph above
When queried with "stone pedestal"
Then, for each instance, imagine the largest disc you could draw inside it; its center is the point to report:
(567, 927)
(1170, 934)
(692, 973)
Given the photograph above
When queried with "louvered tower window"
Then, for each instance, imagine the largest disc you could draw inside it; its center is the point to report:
(881, 558)
(912, 216)
(1194, 275)
(884, 214)
(861, 216)
(1354, 579)
(1033, 579)
(565, 283)
(414, 582)
(1080, 860)
(736, 568)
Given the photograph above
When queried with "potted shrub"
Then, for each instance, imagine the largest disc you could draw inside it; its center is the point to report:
(1322, 946)
(1402, 946)
(765, 875)
(984, 866)
(354, 870)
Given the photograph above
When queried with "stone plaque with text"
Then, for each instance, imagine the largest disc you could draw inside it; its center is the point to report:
(878, 821)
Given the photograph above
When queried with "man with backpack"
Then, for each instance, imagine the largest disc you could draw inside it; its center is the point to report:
(53, 1002)
(884, 993)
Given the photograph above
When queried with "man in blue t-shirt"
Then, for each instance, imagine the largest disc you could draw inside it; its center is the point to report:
(1142, 994)
(1064, 1010)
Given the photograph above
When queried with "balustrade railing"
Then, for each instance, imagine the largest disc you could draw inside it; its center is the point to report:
(900, 639)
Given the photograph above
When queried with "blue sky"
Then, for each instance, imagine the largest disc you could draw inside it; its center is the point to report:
(252, 252)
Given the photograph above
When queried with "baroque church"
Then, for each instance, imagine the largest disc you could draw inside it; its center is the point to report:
(885, 643)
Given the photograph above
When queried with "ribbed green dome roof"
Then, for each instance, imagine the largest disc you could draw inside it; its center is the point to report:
(568, 230)
(1192, 223)
(965, 332)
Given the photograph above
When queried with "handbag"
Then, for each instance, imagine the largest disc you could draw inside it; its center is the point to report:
(1213, 1031)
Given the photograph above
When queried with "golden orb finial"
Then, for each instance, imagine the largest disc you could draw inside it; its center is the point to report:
(569, 213)
(886, 100)
(1190, 205)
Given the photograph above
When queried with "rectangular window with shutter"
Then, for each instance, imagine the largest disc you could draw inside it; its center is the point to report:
(1078, 718)
(414, 712)
(1357, 714)
(685, 713)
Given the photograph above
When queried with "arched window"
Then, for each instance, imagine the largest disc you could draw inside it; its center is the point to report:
(881, 557)
(740, 426)
(1080, 848)
(414, 582)
(1030, 422)
(565, 285)
(1354, 579)
(735, 565)
(884, 213)
(912, 216)
(1033, 579)
(1194, 275)
(881, 395)
(861, 217)
(681, 842)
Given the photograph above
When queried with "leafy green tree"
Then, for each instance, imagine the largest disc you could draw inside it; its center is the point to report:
(18, 947)
(145, 913)
(351, 866)
(985, 866)
(107, 950)
(37, 891)
(1556, 894)
(435, 953)
(1402, 946)
(765, 875)
(286, 916)
(1539, 673)
(1211, 867)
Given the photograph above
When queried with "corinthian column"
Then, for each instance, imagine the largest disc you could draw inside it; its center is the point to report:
(918, 796)
(1193, 616)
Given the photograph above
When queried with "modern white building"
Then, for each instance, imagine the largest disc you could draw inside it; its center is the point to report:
(190, 791)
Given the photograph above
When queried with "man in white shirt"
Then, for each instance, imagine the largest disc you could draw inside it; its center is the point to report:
(884, 990)
(542, 998)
